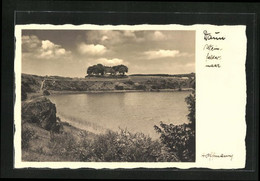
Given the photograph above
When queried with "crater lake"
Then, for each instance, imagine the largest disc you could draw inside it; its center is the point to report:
(136, 111)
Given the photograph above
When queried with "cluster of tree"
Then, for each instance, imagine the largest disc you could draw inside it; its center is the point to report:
(100, 69)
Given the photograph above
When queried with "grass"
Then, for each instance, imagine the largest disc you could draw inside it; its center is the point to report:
(41, 143)
(81, 146)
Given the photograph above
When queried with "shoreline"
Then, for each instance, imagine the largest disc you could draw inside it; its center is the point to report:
(34, 95)
(52, 92)
(87, 126)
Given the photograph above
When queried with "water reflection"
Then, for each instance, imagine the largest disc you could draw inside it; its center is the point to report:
(138, 111)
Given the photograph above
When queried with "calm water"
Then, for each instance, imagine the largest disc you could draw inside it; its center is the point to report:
(136, 111)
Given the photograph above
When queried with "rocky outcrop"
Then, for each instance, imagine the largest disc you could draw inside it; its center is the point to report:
(40, 111)
(31, 83)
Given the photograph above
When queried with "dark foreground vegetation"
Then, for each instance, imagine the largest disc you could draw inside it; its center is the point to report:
(179, 140)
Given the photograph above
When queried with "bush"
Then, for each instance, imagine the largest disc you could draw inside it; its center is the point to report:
(130, 82)
(24, 95)
(179, 140)
(191, 101)
(155, 87)
(140, 87)
(64, 146)
(121, 147)
(46, 93)
(57, 127)
(27, 136)
(119, 87)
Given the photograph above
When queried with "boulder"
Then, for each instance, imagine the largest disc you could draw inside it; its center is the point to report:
(40, 111)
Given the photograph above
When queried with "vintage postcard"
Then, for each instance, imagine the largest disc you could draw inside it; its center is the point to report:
(130, 96)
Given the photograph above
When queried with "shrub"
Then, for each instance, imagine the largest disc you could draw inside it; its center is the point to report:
(121, 146)
(57, 127)
(46, 93)
(27, 136)
(191, 101)
(130, 82)
(119, 87)
(24, 95)
(155, 87)
(178, 140)
(64, 146)
(140, 87)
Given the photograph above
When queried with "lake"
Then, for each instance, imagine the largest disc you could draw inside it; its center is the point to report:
(136, 111)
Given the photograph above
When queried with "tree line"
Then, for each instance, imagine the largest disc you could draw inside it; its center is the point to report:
(100, 69)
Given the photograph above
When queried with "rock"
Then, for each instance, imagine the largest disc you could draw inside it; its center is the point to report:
(40, 111)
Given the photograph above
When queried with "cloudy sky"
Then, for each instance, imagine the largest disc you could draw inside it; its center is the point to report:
(70, 52)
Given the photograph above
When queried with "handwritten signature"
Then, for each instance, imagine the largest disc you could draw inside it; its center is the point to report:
(213, 155)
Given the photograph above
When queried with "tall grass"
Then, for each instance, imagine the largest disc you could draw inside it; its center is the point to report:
(27, 136)
(121, 146)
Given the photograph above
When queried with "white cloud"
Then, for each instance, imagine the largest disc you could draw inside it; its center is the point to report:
(111, 37)
(46, 44)
(91, 49)
(111, 62)
(60, 51)
(162, 54)
(50, 50)
(129, 33)
(155, 54)
(104, 38)
(157, 35)
(30, 43)
(34, 47)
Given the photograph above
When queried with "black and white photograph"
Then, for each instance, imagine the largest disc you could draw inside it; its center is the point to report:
(129, 90)
(108, 95)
